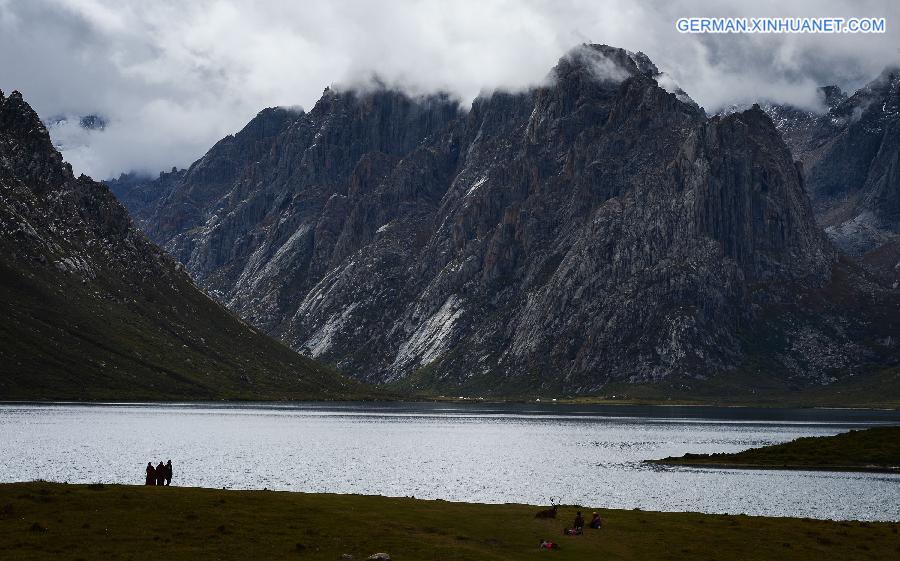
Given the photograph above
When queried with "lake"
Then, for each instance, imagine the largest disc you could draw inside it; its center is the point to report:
(524, 453)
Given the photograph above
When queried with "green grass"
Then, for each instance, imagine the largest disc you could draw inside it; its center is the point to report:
(876, 449)
(59, 340)
(72, 522)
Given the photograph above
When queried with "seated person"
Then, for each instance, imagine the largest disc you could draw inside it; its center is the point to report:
(579, 521)
(548, 545)
(596, 522)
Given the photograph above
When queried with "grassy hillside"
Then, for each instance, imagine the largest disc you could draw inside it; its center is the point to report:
(876, 449)
(42, 521)
(91, 309)
(59, 341)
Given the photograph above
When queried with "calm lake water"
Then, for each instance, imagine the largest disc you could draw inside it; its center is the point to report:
(590, 455)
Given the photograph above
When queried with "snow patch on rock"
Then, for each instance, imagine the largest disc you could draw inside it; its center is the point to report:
(475, 186)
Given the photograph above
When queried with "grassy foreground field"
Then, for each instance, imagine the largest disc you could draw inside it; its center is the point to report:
(71, 522)
(875, 449)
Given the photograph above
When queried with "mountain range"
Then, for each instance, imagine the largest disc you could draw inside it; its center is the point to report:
(597, 233)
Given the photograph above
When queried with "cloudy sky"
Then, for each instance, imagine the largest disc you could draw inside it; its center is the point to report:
(172, 77)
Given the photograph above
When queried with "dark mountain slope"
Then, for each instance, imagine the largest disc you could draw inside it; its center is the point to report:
(596, 229)
(90, 309)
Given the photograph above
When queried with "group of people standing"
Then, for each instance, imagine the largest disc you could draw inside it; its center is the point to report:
(159, 475)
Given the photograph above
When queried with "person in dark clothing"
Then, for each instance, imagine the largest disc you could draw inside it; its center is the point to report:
(596, 522)
(579, 521)
(168, 472)
(151, 475)
(160, 474)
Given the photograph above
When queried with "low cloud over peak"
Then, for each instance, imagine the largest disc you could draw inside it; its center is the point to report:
(170, 78)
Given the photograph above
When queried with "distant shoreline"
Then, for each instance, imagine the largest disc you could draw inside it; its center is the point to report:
(786, 467)
(473, 401)
(873, 450)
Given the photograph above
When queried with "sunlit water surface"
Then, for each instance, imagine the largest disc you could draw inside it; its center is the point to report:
(590, 455)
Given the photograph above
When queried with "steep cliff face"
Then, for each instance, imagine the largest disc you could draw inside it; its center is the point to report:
(91, 309)
(597, 228)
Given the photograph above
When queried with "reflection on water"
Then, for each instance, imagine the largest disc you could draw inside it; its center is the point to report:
(590, 455)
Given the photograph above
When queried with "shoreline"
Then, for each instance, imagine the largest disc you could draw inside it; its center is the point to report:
(42, 520)
(786, 467)
(466, 401)
(871, 450)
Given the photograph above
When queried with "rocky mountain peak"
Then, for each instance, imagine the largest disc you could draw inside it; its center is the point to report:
(27, 149)
(759, 124)
(597, 87)
(92, 122)
(874, 102)
(770, 205)
(601, 63)
(270, 121)
(832, 96)
(592, 69)
(390, 121)
(19, 119)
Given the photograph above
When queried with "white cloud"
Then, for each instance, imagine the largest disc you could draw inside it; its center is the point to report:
(602, 68)
(172, 77)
